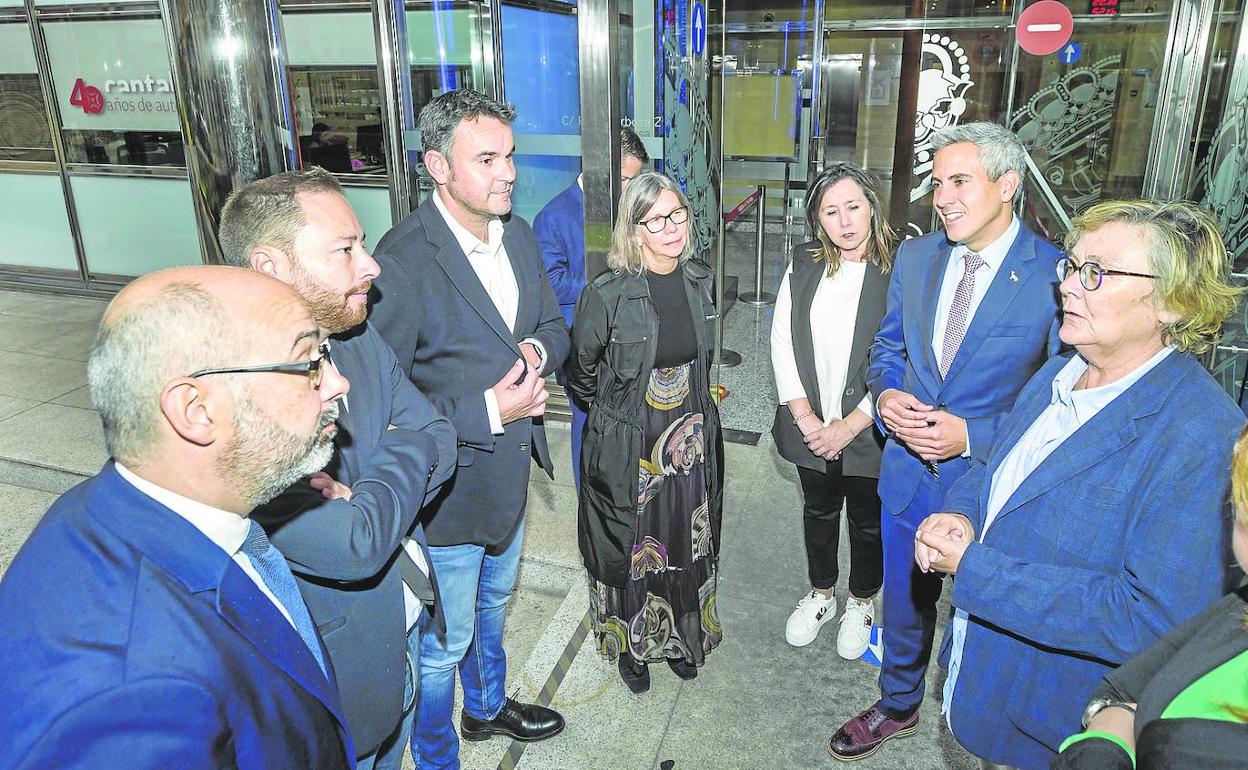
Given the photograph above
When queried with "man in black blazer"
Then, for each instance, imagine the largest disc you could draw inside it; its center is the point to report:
(350, 533)
(465, 304)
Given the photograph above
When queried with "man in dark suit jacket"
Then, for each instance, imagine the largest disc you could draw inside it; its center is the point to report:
(972, 314)
(465, 305)
(560, 231)
(344, 531)
(147, 622)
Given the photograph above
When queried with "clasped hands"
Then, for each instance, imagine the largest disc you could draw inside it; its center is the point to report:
(941, 540)
(930, 432)
(522, 390)
(826, 441)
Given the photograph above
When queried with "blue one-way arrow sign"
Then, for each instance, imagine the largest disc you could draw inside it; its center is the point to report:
(699, 29)
(1070, 53)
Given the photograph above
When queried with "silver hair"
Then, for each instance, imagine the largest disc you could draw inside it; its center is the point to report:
(179, 330)
(440, 117)
(639, 196)
(1000, 149)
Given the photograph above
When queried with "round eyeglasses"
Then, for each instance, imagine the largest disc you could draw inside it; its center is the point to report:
(658, 224)
(1090, 273)
(314, 369)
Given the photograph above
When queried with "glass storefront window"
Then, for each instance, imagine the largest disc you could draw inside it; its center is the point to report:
(338, 100)
(114, 92)
(24, 129)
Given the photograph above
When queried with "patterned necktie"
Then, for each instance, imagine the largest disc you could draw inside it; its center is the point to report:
(275, 573)
(955, 327)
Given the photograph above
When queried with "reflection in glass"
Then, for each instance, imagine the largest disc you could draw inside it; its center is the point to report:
(339, 111)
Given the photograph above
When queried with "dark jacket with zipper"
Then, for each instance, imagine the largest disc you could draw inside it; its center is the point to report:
(614, 341)
(862, 455)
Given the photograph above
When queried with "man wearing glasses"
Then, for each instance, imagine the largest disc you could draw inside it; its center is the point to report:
(148, 622)
(972, 314)
(350, 533)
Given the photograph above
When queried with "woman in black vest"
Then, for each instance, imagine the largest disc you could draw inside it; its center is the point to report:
(827, 312)
(652, 457)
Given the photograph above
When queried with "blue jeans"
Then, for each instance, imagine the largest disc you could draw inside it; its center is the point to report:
(389, 755)
(474, 586)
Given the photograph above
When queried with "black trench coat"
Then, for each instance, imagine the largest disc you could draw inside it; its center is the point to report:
(614, 339)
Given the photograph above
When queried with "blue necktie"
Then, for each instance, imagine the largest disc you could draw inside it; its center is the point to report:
(275, 573)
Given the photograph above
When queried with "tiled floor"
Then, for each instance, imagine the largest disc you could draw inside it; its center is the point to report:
(757, 704)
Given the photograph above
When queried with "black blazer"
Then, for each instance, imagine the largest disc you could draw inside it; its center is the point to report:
(344, 554)
(451, 341)
(862, 456)
(1153, 679)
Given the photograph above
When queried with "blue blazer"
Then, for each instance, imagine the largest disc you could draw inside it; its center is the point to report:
(132, 640)
(1013, 332)
(1119, 536)
(560, 231)
(452, 342)
(344, 552)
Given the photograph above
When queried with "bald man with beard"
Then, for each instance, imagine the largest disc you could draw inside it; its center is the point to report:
(148, 621)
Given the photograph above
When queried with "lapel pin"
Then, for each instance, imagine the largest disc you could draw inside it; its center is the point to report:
(1014, 276)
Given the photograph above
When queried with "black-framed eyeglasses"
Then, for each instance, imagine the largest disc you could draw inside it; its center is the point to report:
(314, 368)
(1091, 273)
(659, 224)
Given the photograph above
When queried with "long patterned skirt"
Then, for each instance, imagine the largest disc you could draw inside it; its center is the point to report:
(667, 610)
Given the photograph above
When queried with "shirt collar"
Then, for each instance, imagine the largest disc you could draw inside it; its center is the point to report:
(227, 530)
(1089, 401)
(467, 241)
(994, 253)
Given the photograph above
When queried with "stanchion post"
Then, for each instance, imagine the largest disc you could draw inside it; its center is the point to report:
(759, 297)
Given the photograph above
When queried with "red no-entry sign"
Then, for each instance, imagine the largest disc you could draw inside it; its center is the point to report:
(1044, 27)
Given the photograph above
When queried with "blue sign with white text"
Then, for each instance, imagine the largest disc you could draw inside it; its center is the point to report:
(1069, 53)
(699, 29)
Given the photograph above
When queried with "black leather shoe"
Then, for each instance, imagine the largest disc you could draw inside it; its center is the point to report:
(682, 668)
(636, 674)
(521, 721)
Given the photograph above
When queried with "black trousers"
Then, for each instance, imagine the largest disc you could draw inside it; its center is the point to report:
(823, 494)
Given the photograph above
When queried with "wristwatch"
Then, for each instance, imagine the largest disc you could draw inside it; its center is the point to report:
(1097, 705)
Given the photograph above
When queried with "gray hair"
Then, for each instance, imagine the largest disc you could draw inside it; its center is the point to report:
(181, 329)
(639, 196)
(440, 117)
(630, 144)
(1000, 149)
(267, 212)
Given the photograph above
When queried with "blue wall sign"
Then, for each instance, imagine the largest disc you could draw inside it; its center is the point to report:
(699, 29)
(1069, 53)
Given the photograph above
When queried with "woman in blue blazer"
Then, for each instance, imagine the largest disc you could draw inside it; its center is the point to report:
(1099, 522)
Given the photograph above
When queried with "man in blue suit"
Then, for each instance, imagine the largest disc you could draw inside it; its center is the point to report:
(1100, 521)
(474, 323)
(972, 314)
(350, 534)
(148, 623)
(560, 231)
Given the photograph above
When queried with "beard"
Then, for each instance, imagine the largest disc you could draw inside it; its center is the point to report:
(332, 310)
(263, 459)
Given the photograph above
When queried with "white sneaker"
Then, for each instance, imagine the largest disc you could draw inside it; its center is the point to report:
(811, 613)
(855, 632)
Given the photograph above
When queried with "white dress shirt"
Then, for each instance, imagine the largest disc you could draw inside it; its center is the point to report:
(227, 530)
(1068, 410)
(490, 262)
(833, 316)
(993, 255)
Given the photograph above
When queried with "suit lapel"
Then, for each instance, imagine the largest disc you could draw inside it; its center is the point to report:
(1112, 429)
(457, 268)
(1005, 286)
(929, 297)
(526, 306)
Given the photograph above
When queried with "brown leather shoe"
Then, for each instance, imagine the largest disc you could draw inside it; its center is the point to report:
(863, 735)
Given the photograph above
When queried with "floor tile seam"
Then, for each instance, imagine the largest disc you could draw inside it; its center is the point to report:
(667, 723)
(33, 405)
